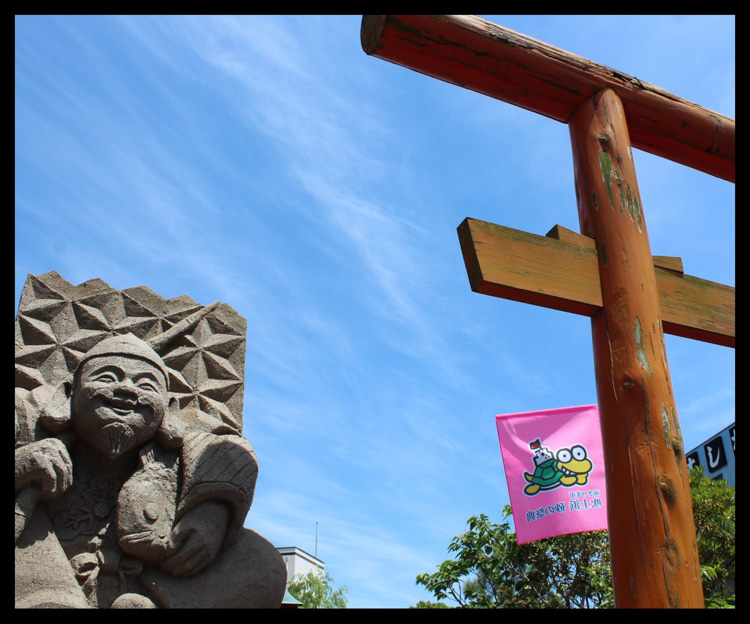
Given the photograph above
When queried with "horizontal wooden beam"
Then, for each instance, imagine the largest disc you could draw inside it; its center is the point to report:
(673, 263)
(561, 271)
(541, 270)
(498, 62)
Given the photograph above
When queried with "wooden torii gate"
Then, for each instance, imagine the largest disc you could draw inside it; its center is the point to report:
(607, 272)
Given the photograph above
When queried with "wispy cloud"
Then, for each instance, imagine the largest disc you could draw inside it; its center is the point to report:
(265, 161)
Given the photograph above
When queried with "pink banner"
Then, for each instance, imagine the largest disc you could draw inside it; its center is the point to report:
(554, 466)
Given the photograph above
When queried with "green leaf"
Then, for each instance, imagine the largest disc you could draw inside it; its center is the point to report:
(315, 591)
(490, 570)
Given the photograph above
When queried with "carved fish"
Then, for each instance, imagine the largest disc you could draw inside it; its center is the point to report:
(146, 506)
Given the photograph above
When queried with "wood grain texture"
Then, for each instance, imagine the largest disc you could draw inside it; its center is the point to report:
(560, 271)
(498, 62)
(652, 532)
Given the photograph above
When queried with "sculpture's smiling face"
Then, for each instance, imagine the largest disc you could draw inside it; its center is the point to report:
(118, 403)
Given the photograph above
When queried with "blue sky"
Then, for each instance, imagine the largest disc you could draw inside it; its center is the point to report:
(267, 162)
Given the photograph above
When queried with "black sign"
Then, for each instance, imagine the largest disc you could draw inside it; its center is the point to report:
(731, 437)
(715, 455)
(693, 460)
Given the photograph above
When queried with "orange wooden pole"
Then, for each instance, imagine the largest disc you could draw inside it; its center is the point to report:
(652, 531)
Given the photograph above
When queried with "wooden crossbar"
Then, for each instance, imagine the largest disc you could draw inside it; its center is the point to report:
(560, 271)
(473, 53)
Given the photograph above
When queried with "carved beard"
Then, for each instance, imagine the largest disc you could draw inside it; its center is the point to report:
(118, 438)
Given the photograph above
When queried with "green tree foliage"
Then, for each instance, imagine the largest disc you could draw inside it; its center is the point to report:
(315, 591)
(490, 570)
(422, 604)
(713, 510)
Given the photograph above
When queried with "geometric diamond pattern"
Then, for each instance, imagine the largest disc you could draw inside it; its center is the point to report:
(57, 323)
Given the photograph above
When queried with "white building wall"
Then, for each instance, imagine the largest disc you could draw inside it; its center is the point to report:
(298, 562)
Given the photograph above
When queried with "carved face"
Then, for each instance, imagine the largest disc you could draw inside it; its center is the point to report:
(118, 403)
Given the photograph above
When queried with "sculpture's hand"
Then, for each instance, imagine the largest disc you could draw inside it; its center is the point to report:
(197, 538)
(46, 464)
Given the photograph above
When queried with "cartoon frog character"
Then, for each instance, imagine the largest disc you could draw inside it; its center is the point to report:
(575, 465)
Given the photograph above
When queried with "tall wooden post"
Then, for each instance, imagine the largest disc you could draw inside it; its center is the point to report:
(652, 534)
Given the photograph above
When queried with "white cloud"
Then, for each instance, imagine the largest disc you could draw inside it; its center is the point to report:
(267, 162)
